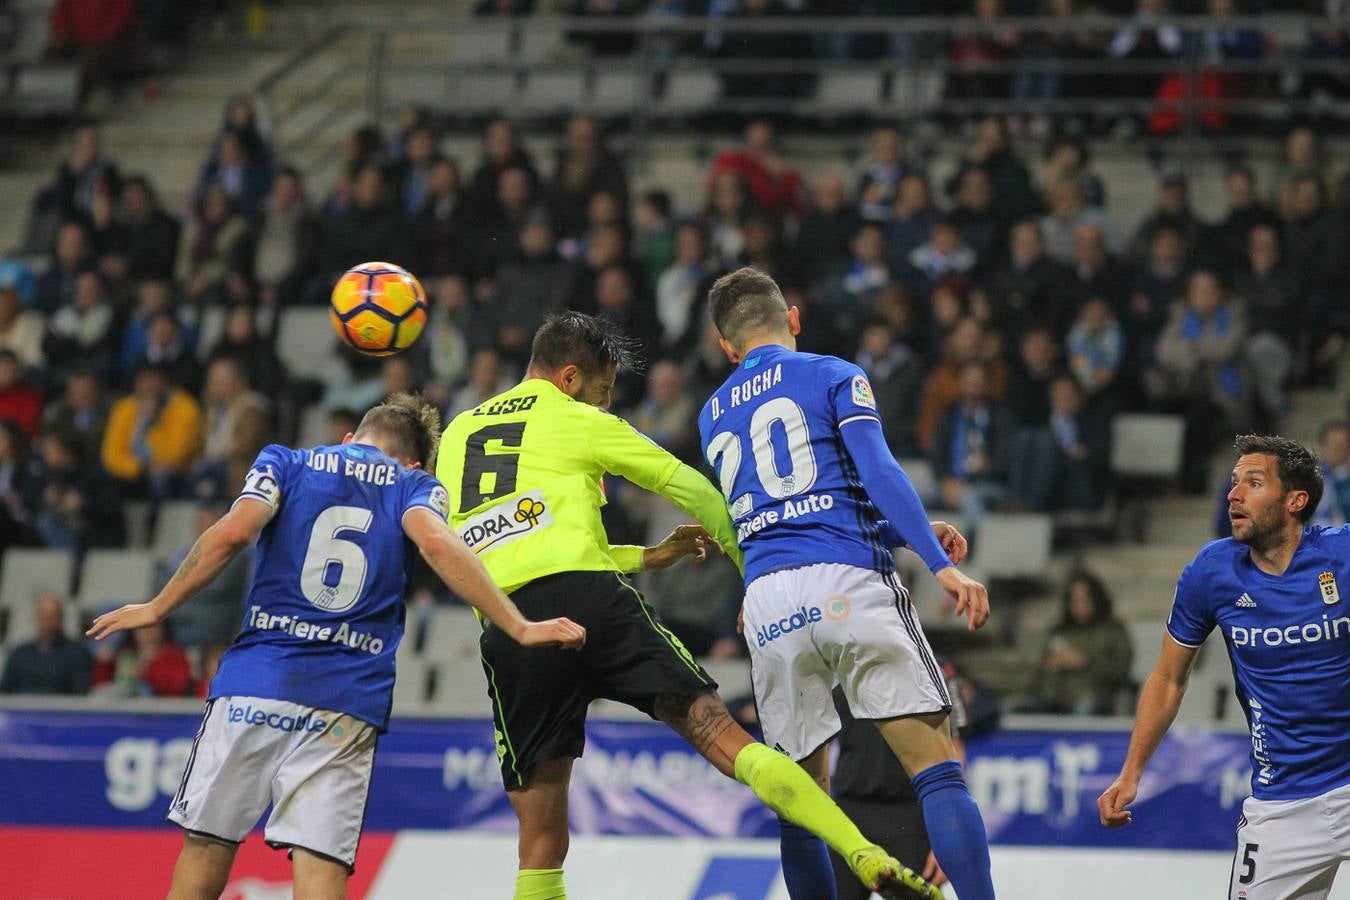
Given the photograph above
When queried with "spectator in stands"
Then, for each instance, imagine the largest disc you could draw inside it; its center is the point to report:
(584, 167)
(894, 372)
(209, 250)
(1063, 464)
(362, 147)
(1333, 446)
(81, 177)
(151, 234)
(412, 177)
(148, 663)
(450, 332)
(284, 242)
(981, 228)
(1032, 288)
(1228, 238)
(1172, 210)
(882, 169)
(241, 340)
(243, 177)
(51, 663)
(1087, 655)
(1028, 391)
(486, 379)
(617, 300)
(20, 329)
(97, 33)
(442, 226)
(1040, 80)
(238, 423)
(989, 42)
(20, 402)
(241, 120)
(154, 435)
(1068, 158)
(944, 255)
(81, 413)
(502, 150)
(1200, 373)
(81, 333)
(13, 465)
(1309, 229)
(1093, 271)
(365, 230)
(912, 220)
(1271, 294)
(1069, 212)
(668, 414)
(681, 289)
(1145, 39)
(849, 298)
(656, 228)
(152, 297)
(528, 287)
(763, 45)
(821, 249)
(1303, 155)
(770, 181)
(964, 344)
(1156, 285)
(71, 503)
(71, 256)
(210, 622)
(498, 237)
(723, 219)
(1096, 347)
(168, 347)
(970, 448)
(1015, 197)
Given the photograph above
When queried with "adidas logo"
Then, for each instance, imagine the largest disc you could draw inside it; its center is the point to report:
(1246, 601)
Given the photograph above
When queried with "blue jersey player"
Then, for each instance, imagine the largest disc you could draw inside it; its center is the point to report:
(301, 696)
(818, 502)
(1274, 592)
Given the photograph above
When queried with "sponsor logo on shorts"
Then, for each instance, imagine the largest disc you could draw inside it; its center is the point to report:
(507, 522)
(800, 619)
(838, 607)
(261, 718)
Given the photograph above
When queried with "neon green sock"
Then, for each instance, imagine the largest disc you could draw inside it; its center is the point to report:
(540, 884)
(786, 789)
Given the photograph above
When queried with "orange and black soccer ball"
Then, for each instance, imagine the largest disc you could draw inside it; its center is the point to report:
(378, 308)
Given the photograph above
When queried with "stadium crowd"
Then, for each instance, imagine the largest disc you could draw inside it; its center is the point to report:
(1002, 315)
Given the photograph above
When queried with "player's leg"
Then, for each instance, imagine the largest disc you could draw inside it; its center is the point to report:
(1285, 850)
(317, 877)
(807, 868)
(202, 869)
(897, 825)
(541, 809)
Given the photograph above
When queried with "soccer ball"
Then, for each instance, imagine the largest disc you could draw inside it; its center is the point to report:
(378, 309)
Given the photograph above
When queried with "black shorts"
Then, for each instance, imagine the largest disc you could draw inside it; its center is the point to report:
(540, 695)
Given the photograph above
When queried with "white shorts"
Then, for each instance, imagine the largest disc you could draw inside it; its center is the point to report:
(812, 627)
(1290, 849)
(312, 765)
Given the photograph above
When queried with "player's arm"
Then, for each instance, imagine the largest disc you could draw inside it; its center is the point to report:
(620, 449)
(1158, 704)
(893, 494)
(209, 556)
(456, 565)
(685, 540)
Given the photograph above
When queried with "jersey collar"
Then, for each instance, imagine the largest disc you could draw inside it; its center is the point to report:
(754, 357)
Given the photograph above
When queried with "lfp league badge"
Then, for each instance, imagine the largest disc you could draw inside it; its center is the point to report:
(1330, 593)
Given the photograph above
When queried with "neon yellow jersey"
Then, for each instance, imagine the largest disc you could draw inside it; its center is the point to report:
(524, 472)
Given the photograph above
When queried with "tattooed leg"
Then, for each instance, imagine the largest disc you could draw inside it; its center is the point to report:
(702, 719)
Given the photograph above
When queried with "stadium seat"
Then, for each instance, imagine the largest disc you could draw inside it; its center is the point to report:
(732, 676)
(620, 90)
(313, 427)
(690, 91)
(175, 525)
(306, 341)
(136, 516)
(541, 44)
(853, 89)
(459, 687)
(410, 684)
(25, 573)
(924, 479)
(479, 92)
(550, 91)
(209, 329)
(46, 89)
(1012, 546)
(916, 91)
(1146, 445)
(481, 42)
(451, 634)
(406, 85)
(111, 577)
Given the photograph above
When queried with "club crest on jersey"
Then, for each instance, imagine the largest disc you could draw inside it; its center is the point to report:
(506, 522)
(862, 393)
(1326, 582)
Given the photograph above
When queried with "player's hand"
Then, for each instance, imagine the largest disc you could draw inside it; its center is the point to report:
(553, 633)
(933, 872)
(1111, 804)
(686, 540)
(127, 618)
(972, 598)
(952, 541)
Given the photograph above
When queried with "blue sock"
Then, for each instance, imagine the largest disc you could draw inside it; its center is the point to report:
(955, 830)
(807, 870)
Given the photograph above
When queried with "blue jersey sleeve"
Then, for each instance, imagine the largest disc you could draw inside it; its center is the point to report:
(420, 489)
(888, 487)
(1192, 616)
(270, 476)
